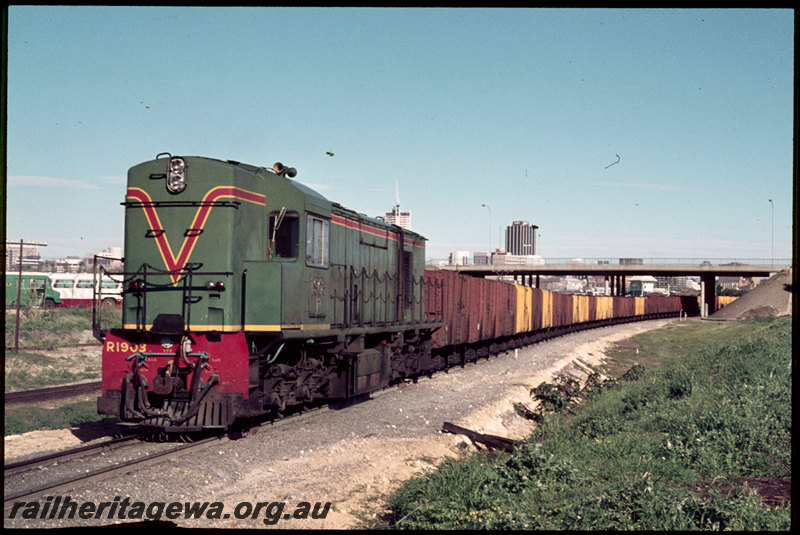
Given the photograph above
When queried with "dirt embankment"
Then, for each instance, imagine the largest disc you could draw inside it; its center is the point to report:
(773, 297)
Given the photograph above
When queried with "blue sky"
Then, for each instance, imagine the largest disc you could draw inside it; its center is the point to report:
(523, 110)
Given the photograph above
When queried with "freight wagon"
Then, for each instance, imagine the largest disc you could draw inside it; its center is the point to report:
(485, 316)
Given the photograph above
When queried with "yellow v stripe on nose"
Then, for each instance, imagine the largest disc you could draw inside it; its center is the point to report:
(175, 264)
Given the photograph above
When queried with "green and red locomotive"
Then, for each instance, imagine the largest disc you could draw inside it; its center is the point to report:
(246, 291)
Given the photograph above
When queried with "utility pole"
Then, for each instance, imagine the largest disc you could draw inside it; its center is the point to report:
(490, 230)
(772, 234)
(19, 288)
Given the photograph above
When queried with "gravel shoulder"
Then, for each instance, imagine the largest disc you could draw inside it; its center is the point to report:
(352, 457)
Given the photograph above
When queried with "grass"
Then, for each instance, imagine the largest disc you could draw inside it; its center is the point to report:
(54, 327)
(23, 419)
(686, 446)
(26, 370)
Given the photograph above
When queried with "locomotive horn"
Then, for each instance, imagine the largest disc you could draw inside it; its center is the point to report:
(281, 170)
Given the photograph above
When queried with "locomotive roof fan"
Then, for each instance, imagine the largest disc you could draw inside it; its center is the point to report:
(281, 170)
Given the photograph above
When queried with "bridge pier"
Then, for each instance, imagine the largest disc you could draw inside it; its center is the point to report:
(528, 280)
(708, 290)
(617, 284)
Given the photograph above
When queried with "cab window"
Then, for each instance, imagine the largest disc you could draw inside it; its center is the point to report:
(284, 235)
(317, 241)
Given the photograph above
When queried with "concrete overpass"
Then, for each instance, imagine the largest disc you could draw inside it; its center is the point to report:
(529, 274)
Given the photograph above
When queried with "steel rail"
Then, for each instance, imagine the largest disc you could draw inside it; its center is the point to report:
(51, 392)
(101, 473)
(18, 467)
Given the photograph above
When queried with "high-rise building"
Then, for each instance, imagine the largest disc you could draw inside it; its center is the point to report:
(401, 218)
(521, 238)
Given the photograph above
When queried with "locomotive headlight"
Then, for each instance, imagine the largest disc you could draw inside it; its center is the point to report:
(215, 286)
(176, 175)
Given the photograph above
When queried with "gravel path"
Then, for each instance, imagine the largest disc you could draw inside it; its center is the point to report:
(350, 457)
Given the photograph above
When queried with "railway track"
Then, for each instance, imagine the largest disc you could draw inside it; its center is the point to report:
(16, 472)
(18, 467)
(28, 479)
(52, 393)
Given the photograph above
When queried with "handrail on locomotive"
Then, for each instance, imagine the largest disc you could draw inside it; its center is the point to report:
(135, 282)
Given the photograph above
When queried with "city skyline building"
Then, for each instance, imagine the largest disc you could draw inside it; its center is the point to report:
(458, 258)
(31, 257)
(401, 218)
(521, 238)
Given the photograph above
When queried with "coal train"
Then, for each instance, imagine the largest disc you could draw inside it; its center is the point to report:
(247, 293)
